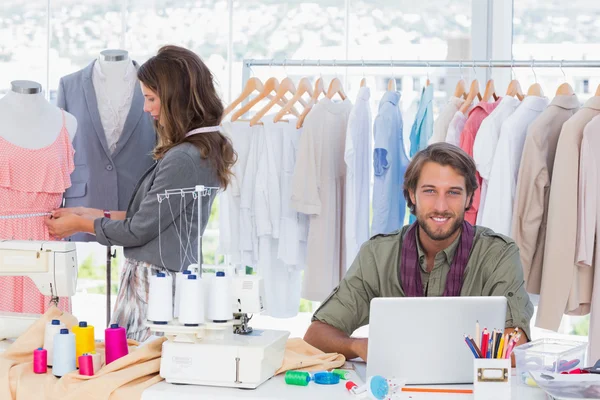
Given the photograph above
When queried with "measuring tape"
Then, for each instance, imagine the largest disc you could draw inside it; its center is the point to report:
(30, 215)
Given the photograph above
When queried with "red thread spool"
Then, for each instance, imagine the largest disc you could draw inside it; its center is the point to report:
(350, 385)
(86, 365)
(40, 361)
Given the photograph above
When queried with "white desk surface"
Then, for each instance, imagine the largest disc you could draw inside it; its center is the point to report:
(276, 388)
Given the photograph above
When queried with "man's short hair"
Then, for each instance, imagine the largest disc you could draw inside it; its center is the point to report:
(445, 154)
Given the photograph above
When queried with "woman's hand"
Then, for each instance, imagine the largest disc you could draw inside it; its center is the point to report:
(64, 224)
(85, 212)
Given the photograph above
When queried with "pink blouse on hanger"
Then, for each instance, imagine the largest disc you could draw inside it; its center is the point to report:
(32, 181)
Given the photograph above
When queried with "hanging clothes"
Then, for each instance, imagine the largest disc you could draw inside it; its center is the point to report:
(467, 138)
(442, 123)
(485, 144)
(507, 159)
(230, 228)
(293, 230)
(566, 287)
(422, 128)
(358, 167)
(588, 229)
(530, 212)
(318, 191)
(24, 190)
(455, 128)
(389, 163)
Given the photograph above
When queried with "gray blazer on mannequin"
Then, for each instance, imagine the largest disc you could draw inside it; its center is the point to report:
(103, 180)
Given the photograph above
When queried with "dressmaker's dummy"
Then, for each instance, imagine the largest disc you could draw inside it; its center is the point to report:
(115, 138)
(36, 160)
(28, 120)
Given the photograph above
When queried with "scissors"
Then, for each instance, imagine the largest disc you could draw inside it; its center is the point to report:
(593, 370)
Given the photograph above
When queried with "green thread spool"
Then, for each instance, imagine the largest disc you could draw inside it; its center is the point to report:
(298, 378)
(341, 373)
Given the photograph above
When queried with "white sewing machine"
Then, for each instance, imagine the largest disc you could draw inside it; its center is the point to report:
(52, 265)
(224, 354)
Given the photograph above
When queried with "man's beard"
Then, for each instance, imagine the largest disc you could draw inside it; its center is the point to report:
(437, 234)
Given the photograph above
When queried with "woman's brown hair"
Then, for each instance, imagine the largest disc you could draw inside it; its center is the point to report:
(444, 154)
(188, 100)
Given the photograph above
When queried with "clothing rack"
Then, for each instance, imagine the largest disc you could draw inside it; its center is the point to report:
(249, 63)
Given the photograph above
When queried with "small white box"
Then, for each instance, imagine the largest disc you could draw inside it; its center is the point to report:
(492, 378)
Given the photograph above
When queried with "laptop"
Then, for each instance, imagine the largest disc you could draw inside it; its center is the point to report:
(421, 339)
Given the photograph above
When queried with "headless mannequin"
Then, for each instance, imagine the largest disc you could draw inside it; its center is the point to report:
(29, 120)
(113, 64)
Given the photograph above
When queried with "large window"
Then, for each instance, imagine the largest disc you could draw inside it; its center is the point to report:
(22, 41)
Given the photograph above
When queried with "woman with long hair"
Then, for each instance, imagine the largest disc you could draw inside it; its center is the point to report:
(180, 95)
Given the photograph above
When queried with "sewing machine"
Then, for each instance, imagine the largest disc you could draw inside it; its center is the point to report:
(52, 265)
(229, 354)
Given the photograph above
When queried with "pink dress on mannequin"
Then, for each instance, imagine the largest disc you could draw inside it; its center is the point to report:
(31, 181)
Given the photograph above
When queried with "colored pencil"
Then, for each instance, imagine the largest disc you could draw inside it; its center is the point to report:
(484, 343)
(477, 337)
(468, 342)
(475, 346)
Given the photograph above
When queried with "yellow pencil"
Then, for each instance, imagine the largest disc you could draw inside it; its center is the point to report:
(501, 347)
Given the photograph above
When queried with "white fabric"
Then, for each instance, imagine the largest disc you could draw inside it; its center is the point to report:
(318, 190)
(442, 123)
(113, 116)
(293, 230)
(358, 172)
(455, 128)
(230, 225)
(486, 142)
(502, 185)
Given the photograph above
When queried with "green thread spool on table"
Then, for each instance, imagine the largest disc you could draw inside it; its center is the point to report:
(341, 373)
(297, 378)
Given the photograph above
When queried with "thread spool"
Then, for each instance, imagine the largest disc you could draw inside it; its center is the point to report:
(192, 302)
(180, 277)
(326, 378)
(86, 365)
(297, 378)
(63, 360)
(341, 373)
(40, 361)
(115, 339)
(84, 339)
(219, 299)
(52, 328)
(97, 361)
(160, 299)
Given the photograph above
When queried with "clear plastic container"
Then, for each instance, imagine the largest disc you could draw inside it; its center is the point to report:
(550, 355)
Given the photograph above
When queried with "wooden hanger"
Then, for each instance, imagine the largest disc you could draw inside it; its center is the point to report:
(565, 89)
(490, 91)
(271, 85)
(304, 86)
(335, 86)
(252, 85)
(514, 89)
(597, 91)
(286, 86)
(461, 89)
(473, 92)
(535, 90)
(391, 87)
(319, 89)
(363, 82)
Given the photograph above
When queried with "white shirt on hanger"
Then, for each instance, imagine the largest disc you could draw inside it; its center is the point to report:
(113, 116)
(318, 190)
(486, 141)
(358, 167)
(502, 185)
(230, 225)
(442, 123)
(455, 128)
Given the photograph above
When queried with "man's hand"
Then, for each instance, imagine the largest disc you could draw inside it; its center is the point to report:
(360, 347)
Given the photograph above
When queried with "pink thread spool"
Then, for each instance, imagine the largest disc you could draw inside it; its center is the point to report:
(116, 343)
(40, 361)
(86, 365)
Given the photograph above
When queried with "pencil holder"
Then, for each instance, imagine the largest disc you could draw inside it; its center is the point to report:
(491, 378)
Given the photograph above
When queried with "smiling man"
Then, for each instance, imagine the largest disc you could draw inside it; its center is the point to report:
(441, 254)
